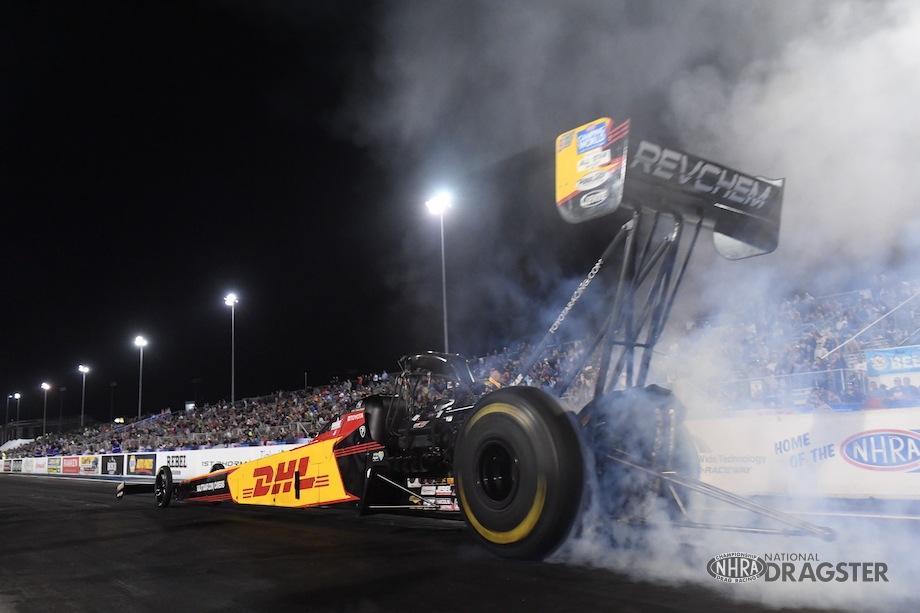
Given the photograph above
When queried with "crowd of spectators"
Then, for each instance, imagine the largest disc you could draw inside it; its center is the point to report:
(799, 342)
(812, 344)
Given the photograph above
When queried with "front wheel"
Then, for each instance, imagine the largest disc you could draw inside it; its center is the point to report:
(520, 473)
(163, 487)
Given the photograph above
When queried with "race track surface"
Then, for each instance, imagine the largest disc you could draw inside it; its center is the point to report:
(69, 545)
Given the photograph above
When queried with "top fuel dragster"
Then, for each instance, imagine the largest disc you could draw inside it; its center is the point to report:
(512, 462)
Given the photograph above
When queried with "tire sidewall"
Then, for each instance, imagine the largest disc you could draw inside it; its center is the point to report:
(539, 508)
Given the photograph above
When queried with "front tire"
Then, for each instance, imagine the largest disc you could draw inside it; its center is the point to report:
(520, 473)
(163, 487)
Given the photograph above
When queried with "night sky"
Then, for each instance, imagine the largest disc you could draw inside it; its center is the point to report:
(155, 156)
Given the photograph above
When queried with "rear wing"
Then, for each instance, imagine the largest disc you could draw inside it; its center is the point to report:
(600, 167)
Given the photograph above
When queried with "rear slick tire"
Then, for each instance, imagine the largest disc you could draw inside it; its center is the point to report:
(520, 473)
(163, 487)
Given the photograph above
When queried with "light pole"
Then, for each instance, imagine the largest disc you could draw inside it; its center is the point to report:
(141, 342)
(230, 300)
(439, 205)
(45, 387)
(18, 397)
(83, 369)
(6, 422)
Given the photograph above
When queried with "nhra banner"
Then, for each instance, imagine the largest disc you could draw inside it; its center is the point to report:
(858, 454)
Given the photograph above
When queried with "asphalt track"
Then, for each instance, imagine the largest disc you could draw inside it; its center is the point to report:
(69, 545)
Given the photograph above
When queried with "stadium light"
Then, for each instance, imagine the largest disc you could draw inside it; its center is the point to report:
(141, 342)
(45, 387)
(230, 300)
(438, 205)
(83, 369)
(18, 398)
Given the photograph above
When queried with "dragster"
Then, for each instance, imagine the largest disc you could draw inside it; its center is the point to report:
(512, 462)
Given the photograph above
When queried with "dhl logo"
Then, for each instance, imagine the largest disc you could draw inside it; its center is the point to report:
(280, 479)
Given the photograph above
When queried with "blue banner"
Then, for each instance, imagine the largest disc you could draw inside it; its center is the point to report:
(893, 361)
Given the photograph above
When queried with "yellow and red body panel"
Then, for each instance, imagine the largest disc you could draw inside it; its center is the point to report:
(328, 470)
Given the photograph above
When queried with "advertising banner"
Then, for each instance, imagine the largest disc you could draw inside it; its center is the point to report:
(141, 464)
(71, 465)
(113, 465)
(858, 454)
(40, 466)
(89, 465)
(54, 466)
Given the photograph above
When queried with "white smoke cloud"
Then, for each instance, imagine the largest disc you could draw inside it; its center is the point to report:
(819, 92)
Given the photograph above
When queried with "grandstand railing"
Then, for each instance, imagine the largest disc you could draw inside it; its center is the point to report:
(838, 388)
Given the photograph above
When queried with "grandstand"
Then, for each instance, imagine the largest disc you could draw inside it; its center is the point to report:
(799, 354)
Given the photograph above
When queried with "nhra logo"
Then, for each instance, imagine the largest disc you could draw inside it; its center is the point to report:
(883, 450)
(279, 480)
(736, 567)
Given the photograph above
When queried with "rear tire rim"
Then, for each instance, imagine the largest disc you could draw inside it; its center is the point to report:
(497, 473)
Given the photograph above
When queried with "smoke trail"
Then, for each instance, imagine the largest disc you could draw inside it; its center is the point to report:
(821, 93)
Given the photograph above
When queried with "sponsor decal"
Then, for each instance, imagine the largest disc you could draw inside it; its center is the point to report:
(141, 463)
(592, 180)
(377, 456)
(280, 479)
(444, 490)
(564, 141)
(429, 490)
(593, 159)
(211, 486)
(883, 450)
(740, 567)
(598, 196)
(592, 137)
